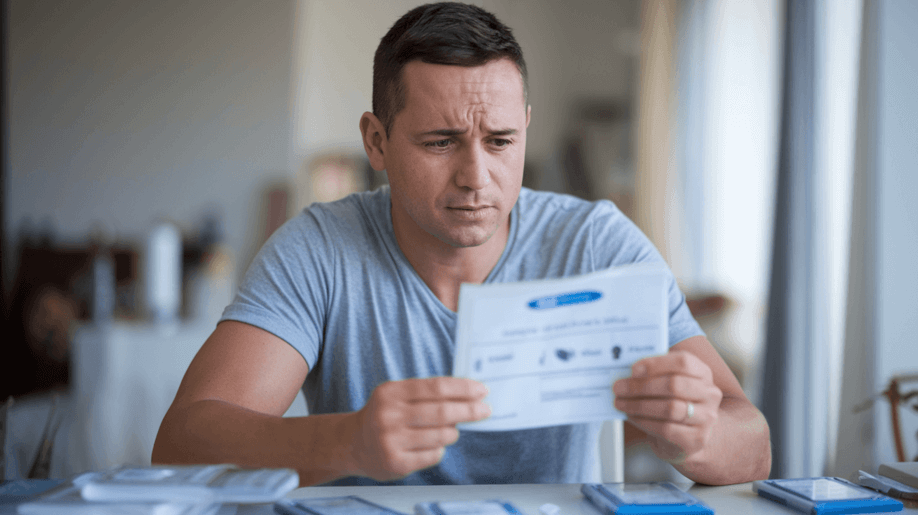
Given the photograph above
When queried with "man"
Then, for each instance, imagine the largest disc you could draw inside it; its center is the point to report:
(354, 301)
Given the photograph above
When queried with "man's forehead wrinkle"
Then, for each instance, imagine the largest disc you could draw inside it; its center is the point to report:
(481, 88)
(445, 99)
(461, 122)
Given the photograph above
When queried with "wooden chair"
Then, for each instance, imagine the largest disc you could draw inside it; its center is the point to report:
(897, 398)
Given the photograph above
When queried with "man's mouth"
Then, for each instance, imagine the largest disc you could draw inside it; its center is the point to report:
(471, 213)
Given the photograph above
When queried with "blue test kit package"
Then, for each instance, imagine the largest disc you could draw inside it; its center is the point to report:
(492, 507)
(641, 498)
(344, 505)
(825, 495)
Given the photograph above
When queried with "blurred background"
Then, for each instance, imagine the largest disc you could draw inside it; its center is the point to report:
(767, 147)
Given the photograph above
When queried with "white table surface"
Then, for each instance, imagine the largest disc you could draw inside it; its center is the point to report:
(734, 499)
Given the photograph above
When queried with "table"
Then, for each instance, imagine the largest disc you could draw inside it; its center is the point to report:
(733, 499)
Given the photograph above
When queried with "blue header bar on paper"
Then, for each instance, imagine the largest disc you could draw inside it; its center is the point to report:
(566, 299)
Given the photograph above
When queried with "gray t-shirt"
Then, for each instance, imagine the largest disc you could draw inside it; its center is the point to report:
(334, 284)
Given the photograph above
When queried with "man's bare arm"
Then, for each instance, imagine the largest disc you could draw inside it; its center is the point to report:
(230, 406)
(725, 441)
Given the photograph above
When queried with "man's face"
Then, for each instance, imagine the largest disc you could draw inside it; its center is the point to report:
(454, 155)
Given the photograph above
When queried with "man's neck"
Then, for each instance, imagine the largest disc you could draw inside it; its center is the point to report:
(444, 267)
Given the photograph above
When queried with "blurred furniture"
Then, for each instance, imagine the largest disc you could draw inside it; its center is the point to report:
(897, 399)
(125, 376)
(4, 409)
(596, 156)
(55, 288)
(331, 176)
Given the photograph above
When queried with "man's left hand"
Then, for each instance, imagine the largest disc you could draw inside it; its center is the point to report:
(674, 400)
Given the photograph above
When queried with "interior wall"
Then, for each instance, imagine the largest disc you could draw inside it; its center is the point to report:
(122, 114)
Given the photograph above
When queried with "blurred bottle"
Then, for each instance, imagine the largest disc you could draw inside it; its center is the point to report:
(163, 273)
(103, 286)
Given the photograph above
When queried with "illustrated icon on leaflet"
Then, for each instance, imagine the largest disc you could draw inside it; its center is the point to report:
(564, 354)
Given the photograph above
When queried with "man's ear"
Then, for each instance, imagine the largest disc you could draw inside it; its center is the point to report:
(374, 140)
(528, 113)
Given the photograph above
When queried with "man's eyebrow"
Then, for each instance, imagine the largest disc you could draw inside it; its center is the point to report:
(444, 132)
(456, 132)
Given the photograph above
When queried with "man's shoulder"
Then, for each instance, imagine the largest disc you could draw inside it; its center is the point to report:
(352, 220)
(548, 207)
(369, 203)
(350, 212)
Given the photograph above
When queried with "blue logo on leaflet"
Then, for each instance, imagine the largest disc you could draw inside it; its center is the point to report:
(567, 299)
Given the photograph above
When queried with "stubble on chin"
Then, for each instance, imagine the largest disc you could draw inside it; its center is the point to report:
(469, 237)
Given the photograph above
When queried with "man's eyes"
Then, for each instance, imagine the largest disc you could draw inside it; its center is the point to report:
(446, 143)
(442, 143)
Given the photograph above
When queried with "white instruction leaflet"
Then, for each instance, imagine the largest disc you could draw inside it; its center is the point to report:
(550, 350)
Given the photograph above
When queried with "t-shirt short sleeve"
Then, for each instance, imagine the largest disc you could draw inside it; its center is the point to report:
(286, 288)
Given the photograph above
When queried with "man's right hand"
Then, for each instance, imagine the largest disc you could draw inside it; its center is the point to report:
(406, 425)
(230, 407)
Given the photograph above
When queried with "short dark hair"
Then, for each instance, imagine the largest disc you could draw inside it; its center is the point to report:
(442, 33)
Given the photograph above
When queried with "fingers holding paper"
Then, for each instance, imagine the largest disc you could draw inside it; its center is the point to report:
(674, 400)
(726, 438)
(406, 425)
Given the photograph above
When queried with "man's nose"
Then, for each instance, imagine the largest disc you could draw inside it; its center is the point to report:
(473, 170)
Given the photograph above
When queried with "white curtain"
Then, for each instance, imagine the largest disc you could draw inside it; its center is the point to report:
(838, 42)
(809, 274)
(804, 97)
(795, 393)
